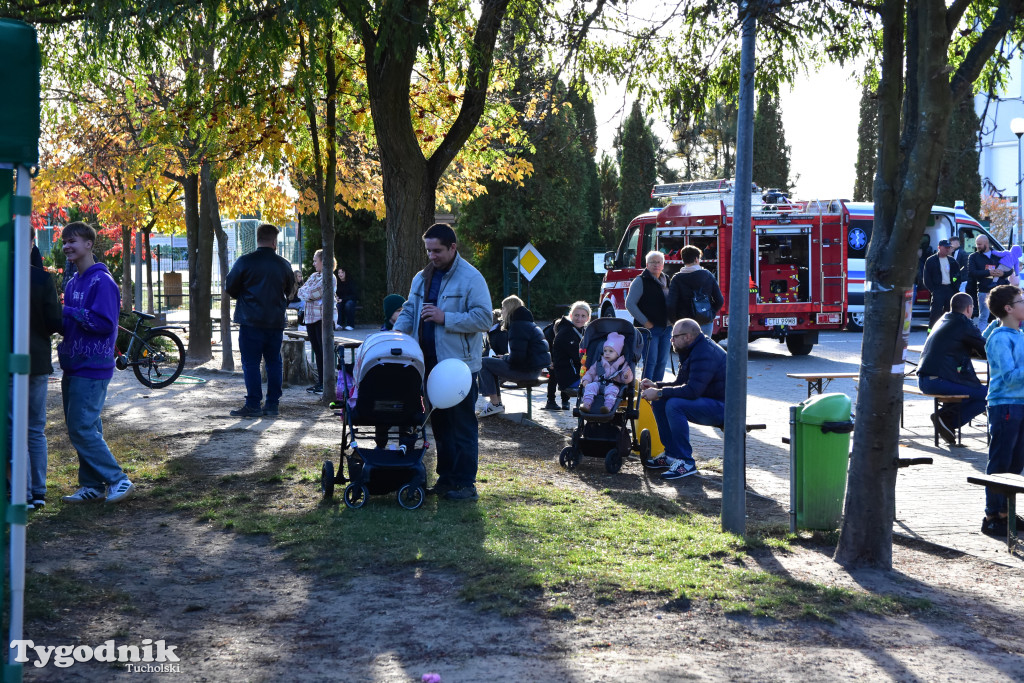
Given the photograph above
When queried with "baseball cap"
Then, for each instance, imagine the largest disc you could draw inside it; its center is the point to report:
(943, 243)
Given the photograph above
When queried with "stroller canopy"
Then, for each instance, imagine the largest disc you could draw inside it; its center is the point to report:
(386, 348)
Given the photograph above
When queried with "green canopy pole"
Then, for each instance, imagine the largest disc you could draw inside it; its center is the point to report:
(19, 151)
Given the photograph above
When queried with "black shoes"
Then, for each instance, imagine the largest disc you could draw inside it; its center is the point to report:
(947, 434)
(994, 526)
(246, 411)
(270, 411)
(465, 493)
(315, 389)
(551, 405)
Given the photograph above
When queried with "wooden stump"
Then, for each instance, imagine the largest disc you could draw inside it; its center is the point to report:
(296, 369)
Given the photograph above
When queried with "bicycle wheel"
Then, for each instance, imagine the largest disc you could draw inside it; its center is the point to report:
(159, 359)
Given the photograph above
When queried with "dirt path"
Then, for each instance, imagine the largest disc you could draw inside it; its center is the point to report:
(237, 610)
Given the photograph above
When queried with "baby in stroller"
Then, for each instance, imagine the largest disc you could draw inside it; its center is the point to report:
(607, 376)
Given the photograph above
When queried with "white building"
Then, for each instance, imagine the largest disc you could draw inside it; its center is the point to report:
(998, 162)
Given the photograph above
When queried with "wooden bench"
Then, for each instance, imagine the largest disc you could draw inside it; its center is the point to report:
(1009, 485)
(940, 400)
(817, 382)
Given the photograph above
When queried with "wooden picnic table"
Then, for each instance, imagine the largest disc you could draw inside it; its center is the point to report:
(817, 382)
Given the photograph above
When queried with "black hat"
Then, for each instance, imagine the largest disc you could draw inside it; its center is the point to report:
(943, 243)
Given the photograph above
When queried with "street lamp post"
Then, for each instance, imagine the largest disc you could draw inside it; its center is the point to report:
(1017, 126)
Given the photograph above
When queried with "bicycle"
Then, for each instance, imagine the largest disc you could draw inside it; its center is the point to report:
(155, 353)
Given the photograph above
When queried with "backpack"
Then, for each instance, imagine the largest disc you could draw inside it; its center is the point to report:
(702, 312)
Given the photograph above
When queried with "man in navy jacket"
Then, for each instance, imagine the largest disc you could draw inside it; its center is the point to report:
(697, 395)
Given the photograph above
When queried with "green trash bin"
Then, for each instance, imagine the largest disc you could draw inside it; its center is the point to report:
(819, 458)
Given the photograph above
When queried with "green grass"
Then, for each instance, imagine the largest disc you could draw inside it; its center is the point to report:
(527, 538)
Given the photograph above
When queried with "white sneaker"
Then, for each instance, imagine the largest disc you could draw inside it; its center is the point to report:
(491, 409)
(85, 494)
(121, 491)
(349, 328)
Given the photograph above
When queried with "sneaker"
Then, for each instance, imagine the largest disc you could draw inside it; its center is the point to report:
(551, 405)
(271, 411)
(605, 410)
(947, 434)
(38, 502)
(585, 407)
(491, 409)
(120, 491)
(465, 493)
(994, 527)
(85, 494)
(29, 505)
(662, 462)
(315, 389)
(566, 406)
(349, 328)
(246, 411)
(678, 470)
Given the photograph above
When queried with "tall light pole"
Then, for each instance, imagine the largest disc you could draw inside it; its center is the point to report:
(1017, 126)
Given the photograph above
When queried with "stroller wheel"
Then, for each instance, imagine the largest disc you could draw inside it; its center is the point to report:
(327, 479)
(645, 446)
(565, 458)
(411, 497)
(613, 461)
(355, 496)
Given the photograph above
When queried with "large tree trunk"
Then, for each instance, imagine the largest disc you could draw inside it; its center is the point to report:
(213, 213)
(409, 197)
(905, 188)
(199, 330)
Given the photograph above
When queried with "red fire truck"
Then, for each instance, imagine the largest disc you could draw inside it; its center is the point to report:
(797, 266)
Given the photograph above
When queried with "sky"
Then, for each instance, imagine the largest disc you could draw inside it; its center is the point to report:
(819, 114)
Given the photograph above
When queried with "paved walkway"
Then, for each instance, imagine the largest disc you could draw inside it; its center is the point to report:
(934, 502)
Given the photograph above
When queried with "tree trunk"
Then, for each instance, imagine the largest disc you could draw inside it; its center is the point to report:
(409, 197)
(905, 188)
(212, 210)
(149, 271)
(199, 332)
(127, 293)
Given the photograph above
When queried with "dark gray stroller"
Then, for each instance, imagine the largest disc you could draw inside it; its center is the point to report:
(609, 435)
(388, 397)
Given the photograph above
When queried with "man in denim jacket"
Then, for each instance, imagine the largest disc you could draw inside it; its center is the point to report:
(448, 310)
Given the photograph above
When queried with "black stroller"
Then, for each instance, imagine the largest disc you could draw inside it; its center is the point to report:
(609, 435)
(388, 397)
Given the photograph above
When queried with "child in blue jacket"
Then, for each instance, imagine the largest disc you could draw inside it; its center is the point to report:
(1004, 347)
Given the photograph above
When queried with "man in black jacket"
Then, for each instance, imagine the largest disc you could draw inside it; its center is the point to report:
(946, 366)
(261, 282)
(941, 278)
(697, 395)
(690, 281)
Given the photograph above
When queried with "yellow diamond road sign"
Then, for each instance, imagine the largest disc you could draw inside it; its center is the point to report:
(529, 261)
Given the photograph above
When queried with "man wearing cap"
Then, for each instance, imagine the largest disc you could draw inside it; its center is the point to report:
(942, 279)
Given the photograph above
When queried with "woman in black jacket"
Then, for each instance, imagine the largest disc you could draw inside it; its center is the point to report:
(565, 354)
(528, 354)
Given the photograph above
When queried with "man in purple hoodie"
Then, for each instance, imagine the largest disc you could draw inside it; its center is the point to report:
(91, 304)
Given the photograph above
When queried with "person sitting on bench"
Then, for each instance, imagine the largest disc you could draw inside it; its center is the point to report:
(697, 395)
(946, 367)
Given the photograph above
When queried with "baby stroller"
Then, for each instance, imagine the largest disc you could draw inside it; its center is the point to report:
(384, 411)
(609, 435)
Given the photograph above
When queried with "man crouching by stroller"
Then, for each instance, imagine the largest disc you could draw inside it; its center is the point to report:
(448, 310)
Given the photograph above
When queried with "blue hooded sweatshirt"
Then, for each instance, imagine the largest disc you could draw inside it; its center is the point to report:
(91, 304)
(1004, 347)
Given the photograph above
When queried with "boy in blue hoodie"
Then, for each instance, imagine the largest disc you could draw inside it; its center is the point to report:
(1004, 347)
(91, 304)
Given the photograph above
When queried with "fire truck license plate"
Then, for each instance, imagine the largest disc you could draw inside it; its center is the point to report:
(772, 322)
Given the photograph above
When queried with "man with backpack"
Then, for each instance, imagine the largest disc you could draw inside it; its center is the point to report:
(694, 292)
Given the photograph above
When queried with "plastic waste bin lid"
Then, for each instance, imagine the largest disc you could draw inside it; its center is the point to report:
(817, 410)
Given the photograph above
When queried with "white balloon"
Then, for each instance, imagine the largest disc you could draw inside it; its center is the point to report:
(449, 383)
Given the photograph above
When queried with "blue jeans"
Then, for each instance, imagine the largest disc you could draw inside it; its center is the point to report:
(969, 409)
(982, 319)
(674, 415)
(36, 471)
(1005, 451)
(656, 353)
(256, 344)
(83, 401)
(347, 312)
(457, 441)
